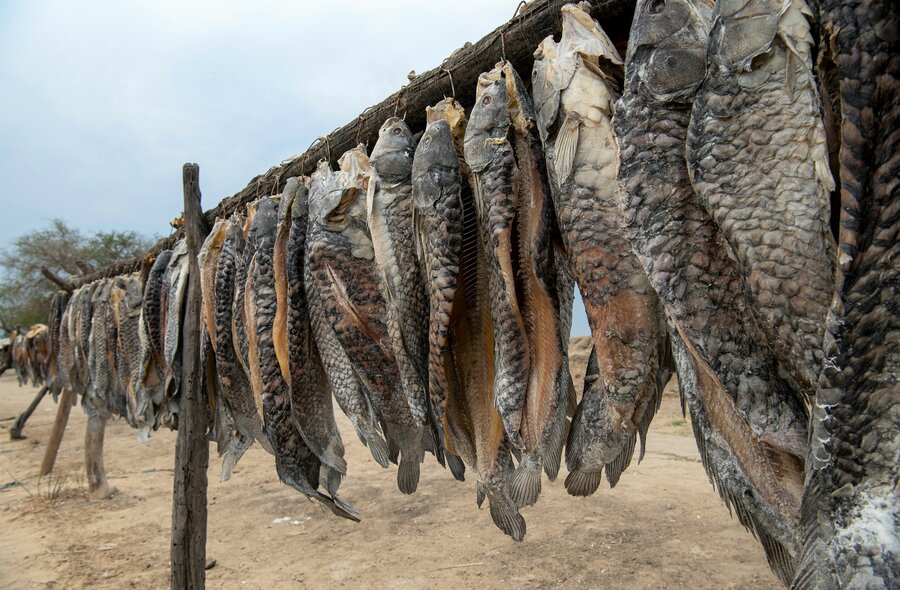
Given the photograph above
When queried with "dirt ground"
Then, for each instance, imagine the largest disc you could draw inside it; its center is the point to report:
(663, 526)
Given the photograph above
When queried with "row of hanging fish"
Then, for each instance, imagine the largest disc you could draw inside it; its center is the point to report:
(28, 352)
(427, 287)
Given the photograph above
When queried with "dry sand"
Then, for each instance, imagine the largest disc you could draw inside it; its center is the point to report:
(663, 526)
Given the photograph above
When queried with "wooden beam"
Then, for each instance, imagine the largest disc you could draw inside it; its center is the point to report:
(188, 551)
(15, 433)
(54, 278)
(516, 40)
(66, 400)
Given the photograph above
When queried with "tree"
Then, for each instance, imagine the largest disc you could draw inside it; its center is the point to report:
(24, 292)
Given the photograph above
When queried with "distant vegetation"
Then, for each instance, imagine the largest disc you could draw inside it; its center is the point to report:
(25, 293)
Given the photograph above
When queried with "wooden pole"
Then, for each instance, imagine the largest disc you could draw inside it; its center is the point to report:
(59, 427)
(93, 456)
(15, 433)
(188, 551)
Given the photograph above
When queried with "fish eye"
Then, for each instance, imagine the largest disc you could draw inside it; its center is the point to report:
(656, 6)
(486, 100)
(395, 131)
(427, 140)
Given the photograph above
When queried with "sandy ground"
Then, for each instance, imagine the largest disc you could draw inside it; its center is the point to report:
(663, 526)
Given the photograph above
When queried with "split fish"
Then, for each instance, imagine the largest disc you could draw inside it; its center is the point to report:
(461, 340)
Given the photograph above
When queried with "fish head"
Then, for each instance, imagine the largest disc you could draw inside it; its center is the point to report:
(288, 195)
(755, 38)
(667, 49)
(489, 122)
(325, 196)
(435, 166)
(392, 155)
(300, 209)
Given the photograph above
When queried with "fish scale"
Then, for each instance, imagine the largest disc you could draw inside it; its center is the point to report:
(758, 161)
(754, 412)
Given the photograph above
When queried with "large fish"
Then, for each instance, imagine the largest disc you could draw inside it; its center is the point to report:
(83, 334)
(346, 279)
(576, 84)
(758, 160)
(301, 363)
(233, 383)
(389, 208)
(118, 396)
(461, 338)
(296, 464)
(63, 347)
(849, 525)
(240, 322)
(753, 411)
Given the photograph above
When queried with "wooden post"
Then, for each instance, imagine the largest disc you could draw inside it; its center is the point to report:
(59, 427)
(93, 457)
(188, 556)
(15, 433)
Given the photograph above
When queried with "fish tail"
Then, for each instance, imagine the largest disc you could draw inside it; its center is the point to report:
(615, 467)
(456, 466)
(581, 482)
(331, 479)
(506, 515)
(573, 442)
(525, 481)
(233, 453)
(378, 448)
(408, 475)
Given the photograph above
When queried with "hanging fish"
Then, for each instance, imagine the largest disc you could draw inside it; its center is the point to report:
(758, 161)
(297, 466)
(343, 269)
(96, 398)
(149, 386)
(576, 83)
(175, 283)
(756, 419)
(298, 356)
(461, 356)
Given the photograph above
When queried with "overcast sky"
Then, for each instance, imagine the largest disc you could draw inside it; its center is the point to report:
(101, 102)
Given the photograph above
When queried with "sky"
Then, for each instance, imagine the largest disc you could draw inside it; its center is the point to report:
(102, 101)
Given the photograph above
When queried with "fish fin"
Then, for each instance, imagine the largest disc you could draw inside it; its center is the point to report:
(551, 456)
(379, 449)
(393, 451)
(408, 475)
(615, 467)
(480, 494)
(331, 479)
(566, 145)
(344, 509)
(582, 483)
(506, 516)
(456, 466)
(340, 292)
(573, 442)
(525, 482)
(236, 449)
